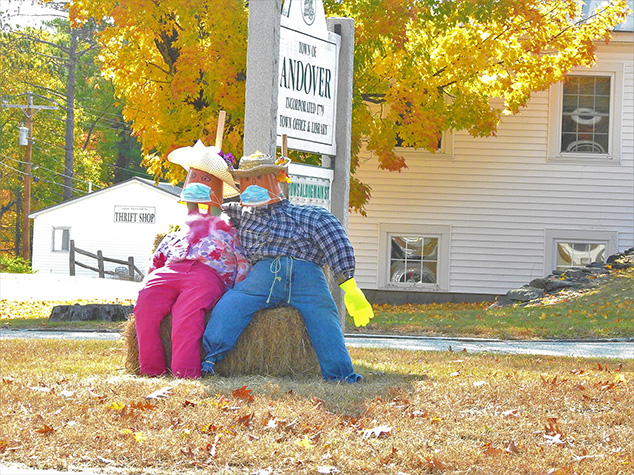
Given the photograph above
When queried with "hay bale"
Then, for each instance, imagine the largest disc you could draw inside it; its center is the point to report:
(275, 343)
(128, 334)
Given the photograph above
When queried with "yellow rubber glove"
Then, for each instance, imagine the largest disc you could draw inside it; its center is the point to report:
(357, 305)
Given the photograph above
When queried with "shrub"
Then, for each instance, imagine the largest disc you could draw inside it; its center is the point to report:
(14, 264)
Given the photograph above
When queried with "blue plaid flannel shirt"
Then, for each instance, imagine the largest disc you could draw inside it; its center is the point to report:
(303, 232)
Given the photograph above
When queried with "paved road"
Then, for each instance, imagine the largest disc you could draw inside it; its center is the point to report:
(61, 287)
(619, 349)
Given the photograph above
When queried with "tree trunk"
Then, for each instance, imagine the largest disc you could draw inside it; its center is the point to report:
(70, 117)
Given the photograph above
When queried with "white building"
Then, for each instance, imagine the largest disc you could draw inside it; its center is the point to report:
(121, 221)
(554, 188)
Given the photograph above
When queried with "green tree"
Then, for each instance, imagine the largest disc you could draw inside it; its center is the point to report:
(84, 144)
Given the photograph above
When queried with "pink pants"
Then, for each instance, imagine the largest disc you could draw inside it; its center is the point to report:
(188, 290)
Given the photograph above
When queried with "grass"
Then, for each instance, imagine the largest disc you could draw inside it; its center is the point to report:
(70, 405)
(606, 311)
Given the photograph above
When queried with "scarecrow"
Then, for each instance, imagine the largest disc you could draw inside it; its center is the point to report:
(287, 245)
(191, 268)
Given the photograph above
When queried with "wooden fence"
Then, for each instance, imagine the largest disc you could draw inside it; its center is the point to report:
(132, 270)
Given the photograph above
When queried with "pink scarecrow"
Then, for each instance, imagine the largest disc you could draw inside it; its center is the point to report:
(191, 268)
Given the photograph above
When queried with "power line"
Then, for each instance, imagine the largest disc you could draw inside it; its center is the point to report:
(38, 178)
(35, 167)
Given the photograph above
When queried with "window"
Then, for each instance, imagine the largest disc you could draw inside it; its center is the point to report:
(413, 257)
(579, 254)
(61, 239)
(572, 248)
(586, 114)
(443, 149)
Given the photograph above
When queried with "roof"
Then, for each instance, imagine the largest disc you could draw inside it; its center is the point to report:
(161, 187)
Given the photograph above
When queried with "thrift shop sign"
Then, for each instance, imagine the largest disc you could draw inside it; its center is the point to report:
(135, 214)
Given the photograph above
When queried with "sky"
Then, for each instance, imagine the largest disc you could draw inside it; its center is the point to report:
(26, 12)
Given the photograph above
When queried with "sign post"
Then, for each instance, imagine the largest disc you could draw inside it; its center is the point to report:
(260, 110)
(299, 86)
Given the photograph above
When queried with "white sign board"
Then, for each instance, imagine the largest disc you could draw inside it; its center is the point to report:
(310, 185)
(134, 214)
(308, 72)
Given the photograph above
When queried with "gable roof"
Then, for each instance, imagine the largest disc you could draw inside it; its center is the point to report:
(162, 187)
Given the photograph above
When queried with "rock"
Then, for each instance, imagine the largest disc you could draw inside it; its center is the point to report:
(91, 312)
(574, 278)
(524, 294)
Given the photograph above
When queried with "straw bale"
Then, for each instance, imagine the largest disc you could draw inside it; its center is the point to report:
(275, 343)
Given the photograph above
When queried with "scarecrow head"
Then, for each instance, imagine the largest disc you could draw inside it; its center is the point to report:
(261, 177)
(208, 178)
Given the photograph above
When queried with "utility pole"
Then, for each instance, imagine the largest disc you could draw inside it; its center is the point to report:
(29, 111)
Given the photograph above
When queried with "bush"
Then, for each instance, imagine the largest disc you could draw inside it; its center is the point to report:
(14, 264)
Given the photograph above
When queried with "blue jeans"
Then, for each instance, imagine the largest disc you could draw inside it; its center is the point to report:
(275, 282)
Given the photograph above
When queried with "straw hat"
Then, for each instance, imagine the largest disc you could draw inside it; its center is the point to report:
(207, 159)
(259, 164)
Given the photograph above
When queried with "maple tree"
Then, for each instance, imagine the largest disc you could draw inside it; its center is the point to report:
(421, 67)
(177, 64)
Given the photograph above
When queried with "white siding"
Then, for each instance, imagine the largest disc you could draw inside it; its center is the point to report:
(92, 227)
(499, 195)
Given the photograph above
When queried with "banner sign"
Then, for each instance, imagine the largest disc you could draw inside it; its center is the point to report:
(308, 72)
(310, 185)
(135, 214)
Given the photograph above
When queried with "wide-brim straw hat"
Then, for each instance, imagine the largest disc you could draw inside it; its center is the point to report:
(207, 159)
(259, 164)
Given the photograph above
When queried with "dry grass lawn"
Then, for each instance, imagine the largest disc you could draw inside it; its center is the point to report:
(70, 404)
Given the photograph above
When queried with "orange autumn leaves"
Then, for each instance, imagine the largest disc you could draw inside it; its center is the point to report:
(421, 67)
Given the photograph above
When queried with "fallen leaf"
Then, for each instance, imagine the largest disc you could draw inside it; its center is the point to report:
(41, 389)
(554, 439)
(245, 420)
(212, 446)
(160, 393)
(434, 463)
(327, 470)
(45, 430)
(509, 414)
(271, 422)
(490, 450)
(578, 458)
(512, 448)
(305, 442)
(243, 393)
(378, 431)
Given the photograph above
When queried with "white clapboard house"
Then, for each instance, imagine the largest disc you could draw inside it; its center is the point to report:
(121, 221)
(553, 189)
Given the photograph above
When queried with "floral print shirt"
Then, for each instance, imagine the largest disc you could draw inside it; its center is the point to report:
(220, 250)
